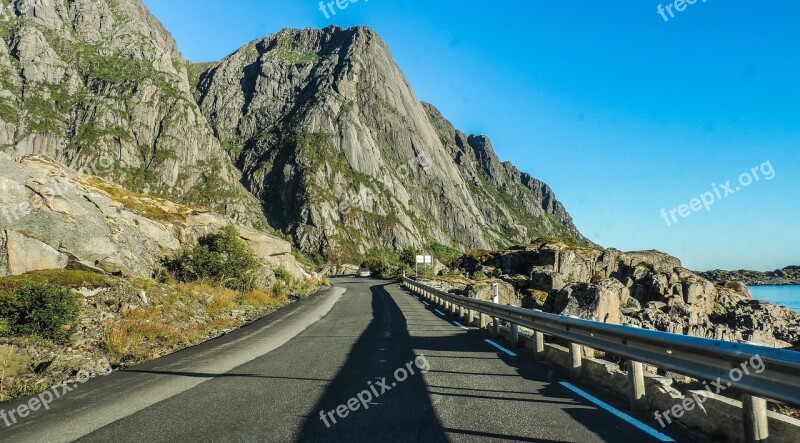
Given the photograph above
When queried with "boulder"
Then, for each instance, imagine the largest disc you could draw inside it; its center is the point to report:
(27, 254)
(591, 301)
(483, 291)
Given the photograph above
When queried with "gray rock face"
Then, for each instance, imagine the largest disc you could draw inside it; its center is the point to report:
(645, 288)
(100, 85)
(331, 137)
(54, 218)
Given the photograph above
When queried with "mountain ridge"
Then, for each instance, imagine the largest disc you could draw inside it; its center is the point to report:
(339, 91)
(314, 132)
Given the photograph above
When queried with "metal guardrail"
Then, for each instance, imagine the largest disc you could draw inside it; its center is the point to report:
(701, 358)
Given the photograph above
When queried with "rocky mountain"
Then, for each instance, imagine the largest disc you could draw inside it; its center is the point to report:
(52, 217)
(330, 136)
(100, 85)
(320, 126)
(789, 275)
(646, 288)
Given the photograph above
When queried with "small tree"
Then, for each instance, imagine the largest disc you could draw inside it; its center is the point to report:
(39, 308)
(409, 255)
(222, 257)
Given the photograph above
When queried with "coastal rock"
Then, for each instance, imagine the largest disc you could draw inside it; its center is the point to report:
(644, 288)
(483, 291)
(598, 302)
(789, 275)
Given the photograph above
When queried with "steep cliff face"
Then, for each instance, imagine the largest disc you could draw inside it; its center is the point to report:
(100, 85)
(331, 137)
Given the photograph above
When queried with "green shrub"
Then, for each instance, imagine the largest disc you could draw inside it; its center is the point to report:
(445, 254)
(409, 255)
(383, 264)
(41, 309)
(282, 274)
(479, 276)
(221, 258)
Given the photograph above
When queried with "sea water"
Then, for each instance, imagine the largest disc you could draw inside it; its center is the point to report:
(788, 296)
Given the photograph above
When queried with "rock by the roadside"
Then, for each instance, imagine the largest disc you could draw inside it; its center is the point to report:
(56, 218)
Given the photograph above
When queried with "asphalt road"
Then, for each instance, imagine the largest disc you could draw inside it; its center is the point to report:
(272, 380)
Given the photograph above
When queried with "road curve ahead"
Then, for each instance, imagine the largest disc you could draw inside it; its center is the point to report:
(363, 361)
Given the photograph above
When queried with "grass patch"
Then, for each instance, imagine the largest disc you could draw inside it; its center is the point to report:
(149, 207)
(9, 111)
(62, 277)
(15, 388)
(445, 254)
(135, 335)
(295, 57)
(264, 299)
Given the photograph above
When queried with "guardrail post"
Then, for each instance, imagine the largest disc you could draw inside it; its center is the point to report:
(538, 345)
(460, 311)
(496, 326)
(576, 354)
(636, 385)
(470, 317)
(755, 419)
(484, 320)
(514, 335)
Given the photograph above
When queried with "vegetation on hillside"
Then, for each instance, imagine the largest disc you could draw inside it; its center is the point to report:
(40, 309)
(222, 258)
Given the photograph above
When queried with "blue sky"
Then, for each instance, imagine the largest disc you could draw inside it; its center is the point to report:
(622, 113)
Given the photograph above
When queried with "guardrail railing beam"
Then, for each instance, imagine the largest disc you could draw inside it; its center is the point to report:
(701, 358)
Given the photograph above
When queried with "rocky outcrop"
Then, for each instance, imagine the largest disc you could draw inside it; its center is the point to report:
(789, 275)
(54, 218)
(331, 137)
(101, 85)
(646, 288)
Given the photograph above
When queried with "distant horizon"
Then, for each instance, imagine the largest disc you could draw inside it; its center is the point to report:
(623, 129)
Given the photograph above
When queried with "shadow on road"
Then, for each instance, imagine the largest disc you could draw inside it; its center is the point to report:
(539, 395)
(403, 413)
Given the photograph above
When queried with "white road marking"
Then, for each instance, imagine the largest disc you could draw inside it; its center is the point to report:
(426, 303)
(500, 347)
(439, 312)
(636, 423)
(460, 325)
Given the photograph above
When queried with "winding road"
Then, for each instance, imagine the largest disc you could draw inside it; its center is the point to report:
(362, 361)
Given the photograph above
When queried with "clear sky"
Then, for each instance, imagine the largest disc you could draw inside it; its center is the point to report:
(621, 112)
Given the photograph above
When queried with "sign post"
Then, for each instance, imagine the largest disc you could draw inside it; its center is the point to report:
(423, 260)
